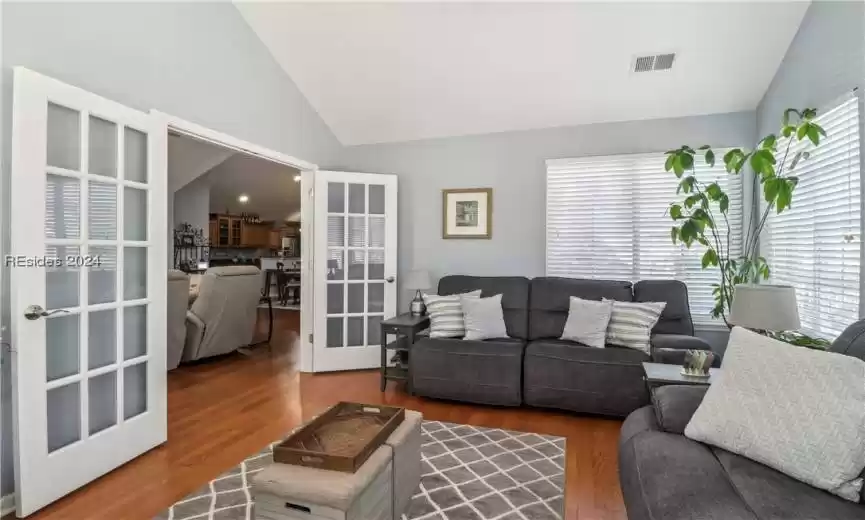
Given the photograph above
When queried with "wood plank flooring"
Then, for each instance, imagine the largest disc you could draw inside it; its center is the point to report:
(222, 410)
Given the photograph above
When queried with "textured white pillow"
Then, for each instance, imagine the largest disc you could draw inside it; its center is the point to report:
(631, 323)
(446, 314)
(484, 318)
(587, 321)
(797, 410)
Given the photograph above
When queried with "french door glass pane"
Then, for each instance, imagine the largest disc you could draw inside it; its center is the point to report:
(61, 346)
(64, 137)
(334, 332)
(62, 207)
(335, 231)
(102, 278)
(356, 198)
(356, 264)
(102, 144)
(355, 298)
(102, 338)
(373, 330)
(102, 395)
(102, 199)
(61, 282)
(335, 197)
(376, 264)
(355, 337)
(357, 231)
(376, 231)
(335, 264)
(64, 416)
(134, 273)
(135, 214)
(134, 331)
(134, 390)
(376, 199)
(335, 298)
(375, 297)
(135, 155)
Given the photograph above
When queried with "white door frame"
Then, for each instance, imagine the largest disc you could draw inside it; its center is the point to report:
(307, 170)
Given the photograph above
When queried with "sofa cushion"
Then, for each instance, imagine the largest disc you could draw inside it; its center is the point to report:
(665, 476)
(483, 317)
(514, 291)
(446, 314)
(487, 372)
(587, 322)
(550, 301)
(775, 400)
(631, 324)
(775, 496)
(676, 318)
(566, 375)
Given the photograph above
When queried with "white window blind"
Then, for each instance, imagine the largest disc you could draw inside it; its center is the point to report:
(607, 219)
(814, 245)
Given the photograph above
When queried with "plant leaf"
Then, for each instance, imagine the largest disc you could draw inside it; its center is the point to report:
(770, 189)
(710, 157)
(668, 165)
(675, 212)
(788, 130)
(678, 169)
(704, 147)
(710, 257)
(802, 131)
(798, 157)
(785, 120)
(813, 134)
(674, 234)
(687, 161)
(724, 203)
(768, 142)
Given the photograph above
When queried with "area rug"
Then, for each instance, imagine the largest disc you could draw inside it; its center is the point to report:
(469, 473)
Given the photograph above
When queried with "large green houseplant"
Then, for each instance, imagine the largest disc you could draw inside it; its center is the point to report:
(703, 206)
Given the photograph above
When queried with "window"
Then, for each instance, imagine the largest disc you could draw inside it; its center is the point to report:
(607, 218)
(814, 245)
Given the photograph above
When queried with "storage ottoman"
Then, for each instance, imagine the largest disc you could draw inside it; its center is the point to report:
(405, 442)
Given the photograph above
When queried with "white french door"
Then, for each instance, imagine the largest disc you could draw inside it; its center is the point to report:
(354, 267)
(87, 287)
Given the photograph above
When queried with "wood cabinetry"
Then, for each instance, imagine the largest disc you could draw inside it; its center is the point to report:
(232, 231)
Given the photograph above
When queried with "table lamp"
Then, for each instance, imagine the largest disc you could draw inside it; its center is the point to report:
(764, 307)
(417, 280)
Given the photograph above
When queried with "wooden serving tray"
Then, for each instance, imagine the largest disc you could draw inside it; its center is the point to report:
(341, 438)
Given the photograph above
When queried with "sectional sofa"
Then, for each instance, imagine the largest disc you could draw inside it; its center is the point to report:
(533, 366)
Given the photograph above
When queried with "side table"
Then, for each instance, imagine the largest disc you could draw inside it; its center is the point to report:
(405, 327)
(660, 374)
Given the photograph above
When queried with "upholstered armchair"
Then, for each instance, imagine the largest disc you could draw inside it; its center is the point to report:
(178, 298)
(222, 319)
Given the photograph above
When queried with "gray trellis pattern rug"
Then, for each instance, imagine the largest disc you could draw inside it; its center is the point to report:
(469, 473)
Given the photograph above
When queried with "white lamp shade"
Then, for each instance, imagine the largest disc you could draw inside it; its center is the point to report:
(417, 280)
(766, 307)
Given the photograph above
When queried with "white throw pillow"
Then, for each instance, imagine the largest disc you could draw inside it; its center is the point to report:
(797, 410)
(587, 321)
(484, 318)
(631, 323)
(446, 314)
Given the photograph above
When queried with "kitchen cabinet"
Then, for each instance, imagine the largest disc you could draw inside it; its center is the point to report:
(233, 231)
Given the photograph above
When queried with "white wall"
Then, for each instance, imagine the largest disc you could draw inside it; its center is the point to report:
(196, 60)
(192, 204)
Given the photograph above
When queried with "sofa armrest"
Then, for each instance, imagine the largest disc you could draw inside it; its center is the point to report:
(674, 405)
(194, 334)
(670, 348)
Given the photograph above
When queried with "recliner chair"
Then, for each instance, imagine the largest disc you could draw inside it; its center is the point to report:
(223, 317)
(178, 299)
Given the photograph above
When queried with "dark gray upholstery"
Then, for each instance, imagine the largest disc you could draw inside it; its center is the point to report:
(674, 405)
(676, 318)
(487, 372)
(666, 476)
(551, 300)
(514, 291)
(670, 348)
(552, 373)
(566, 375)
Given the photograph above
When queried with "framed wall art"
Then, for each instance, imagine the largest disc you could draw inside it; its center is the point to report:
(467, 213)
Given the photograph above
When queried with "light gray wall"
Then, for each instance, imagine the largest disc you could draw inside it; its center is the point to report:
(825, 60)
(512, 163)
(197, 60)
(192, 204)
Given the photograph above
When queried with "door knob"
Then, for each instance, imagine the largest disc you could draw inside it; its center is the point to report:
(389, 279)
(34, 312)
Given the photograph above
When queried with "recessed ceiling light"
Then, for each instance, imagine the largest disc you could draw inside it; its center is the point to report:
(297, 178)
(243, 199)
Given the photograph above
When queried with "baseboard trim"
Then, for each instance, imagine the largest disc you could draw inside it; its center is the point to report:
(7, 504)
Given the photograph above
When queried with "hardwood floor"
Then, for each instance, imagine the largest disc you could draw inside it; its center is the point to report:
(222, 410)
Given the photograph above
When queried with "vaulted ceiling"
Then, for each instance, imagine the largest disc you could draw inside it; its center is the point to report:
(379, 72)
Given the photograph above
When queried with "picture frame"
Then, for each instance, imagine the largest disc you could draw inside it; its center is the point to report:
(467, 213)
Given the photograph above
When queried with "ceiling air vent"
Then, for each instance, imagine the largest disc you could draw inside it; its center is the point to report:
(654, 62)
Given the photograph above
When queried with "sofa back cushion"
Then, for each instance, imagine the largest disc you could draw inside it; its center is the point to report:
(551, 298)
(514, 291)
(676, 318)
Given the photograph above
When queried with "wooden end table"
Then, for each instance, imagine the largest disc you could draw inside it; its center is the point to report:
(405, 327)
(660, 374)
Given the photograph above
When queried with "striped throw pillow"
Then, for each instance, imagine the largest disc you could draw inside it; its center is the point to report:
(631, 323)
(446, 314)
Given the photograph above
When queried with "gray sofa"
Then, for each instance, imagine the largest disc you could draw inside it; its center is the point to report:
(666, 476)
(533, 366)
